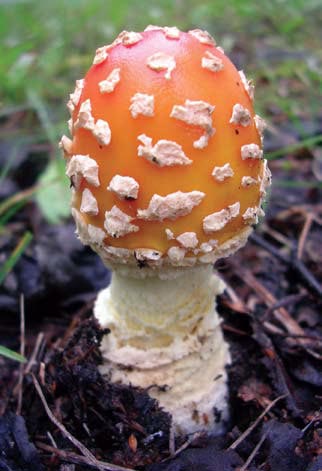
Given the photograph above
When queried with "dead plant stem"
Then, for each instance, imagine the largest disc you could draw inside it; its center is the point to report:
(245, 434)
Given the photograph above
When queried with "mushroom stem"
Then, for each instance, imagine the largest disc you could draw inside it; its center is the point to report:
(166, 336)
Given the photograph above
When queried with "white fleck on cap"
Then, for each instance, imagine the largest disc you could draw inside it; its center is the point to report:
(142, 104)
(218, 220)
(100, 55)
(164, 153)
(171, 206)
(161, 61)
(221, 173)
(248, 85)
(83, 166)
(203, 37)
(211, 62)
(188, 240)
(251, 151)
(88, 203)
(108, 85)
(126, 188)
(118, 224)
(196, 113)
(240, 116)
(102, 132)
(85, 119)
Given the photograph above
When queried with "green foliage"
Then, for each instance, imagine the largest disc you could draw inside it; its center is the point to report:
(53, 195)
(15, 256)
(297, 184)
(308, 143)
(48, 44)
(4, 218)
(6, 352)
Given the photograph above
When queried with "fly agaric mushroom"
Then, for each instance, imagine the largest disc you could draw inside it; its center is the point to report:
(167, 170)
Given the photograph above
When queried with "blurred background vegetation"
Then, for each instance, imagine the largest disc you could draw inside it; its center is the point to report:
(47, 45)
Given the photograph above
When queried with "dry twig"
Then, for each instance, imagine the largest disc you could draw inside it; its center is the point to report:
(304, 233)
(292, 299)
(276, 235)
(280, 314)
(237, 303)
(32, 359)
(187, 443)
(255, 450)
(301, 209)
(245, 434)
(22, 353)
(71, 457)
(234, 330)
(172, 445)
(293, 262)
(51, 439)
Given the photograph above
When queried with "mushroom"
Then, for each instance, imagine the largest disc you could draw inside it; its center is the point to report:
(169, 176)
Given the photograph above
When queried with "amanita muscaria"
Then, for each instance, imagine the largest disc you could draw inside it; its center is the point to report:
(167, 170)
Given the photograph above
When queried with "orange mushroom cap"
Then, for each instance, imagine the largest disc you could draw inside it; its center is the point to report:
(166, 152)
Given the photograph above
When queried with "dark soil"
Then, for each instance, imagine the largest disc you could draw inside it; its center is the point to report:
(272, 321)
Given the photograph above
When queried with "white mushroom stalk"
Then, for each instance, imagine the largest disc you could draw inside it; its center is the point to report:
(165, 332)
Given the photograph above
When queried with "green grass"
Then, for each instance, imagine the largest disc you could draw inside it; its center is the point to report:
(308, 143)
(6, 352)
(15, 255)
(47, 45)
